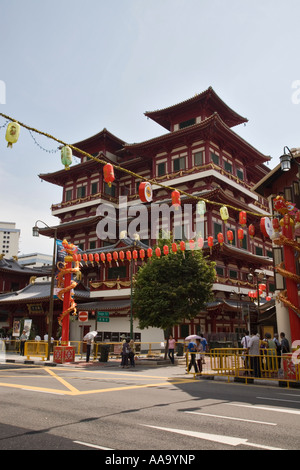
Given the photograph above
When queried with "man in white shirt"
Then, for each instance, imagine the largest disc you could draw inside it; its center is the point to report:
(254, 354)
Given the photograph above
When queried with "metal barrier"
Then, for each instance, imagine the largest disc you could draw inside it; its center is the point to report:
(235, 363)
(36, 349)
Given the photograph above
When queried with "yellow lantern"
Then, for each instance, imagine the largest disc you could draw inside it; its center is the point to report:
(224, 213)
(12, 133)
(66, 156)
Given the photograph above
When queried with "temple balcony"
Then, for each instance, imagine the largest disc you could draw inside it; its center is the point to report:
(82, 203)
(110, 288)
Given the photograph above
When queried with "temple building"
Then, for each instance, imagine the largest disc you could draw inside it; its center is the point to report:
(199, 154)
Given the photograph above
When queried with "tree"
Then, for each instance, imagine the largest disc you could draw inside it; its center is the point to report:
(172, 288)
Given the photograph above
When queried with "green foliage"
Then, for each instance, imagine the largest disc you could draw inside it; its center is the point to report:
(172, 288)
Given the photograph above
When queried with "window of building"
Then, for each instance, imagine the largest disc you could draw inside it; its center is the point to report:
(94, 188)
(214, 158)
(233, 274)
(228, 167)
(179, 164)
(80, 245)
(270, 253)
(240, 174)
(217, 229)
(81, 191)
(161, 169)
(93, 245)
(219, 271)
(116, 272)
(110, 191)
(258, 251)
(68, 194)
(189, 122)
(198, 158)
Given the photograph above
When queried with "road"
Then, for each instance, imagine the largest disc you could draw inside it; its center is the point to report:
(151, 409)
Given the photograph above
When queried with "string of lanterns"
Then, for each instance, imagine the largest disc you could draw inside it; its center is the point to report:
(145, 192)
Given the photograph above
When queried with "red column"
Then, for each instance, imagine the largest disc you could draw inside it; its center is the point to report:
(66, 303)
(291, 285)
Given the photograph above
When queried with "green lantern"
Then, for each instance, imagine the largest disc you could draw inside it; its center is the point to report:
(66, 157)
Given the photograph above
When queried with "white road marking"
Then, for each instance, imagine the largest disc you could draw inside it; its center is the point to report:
(92, 445)
(228, 440)
(266, 408)
(279, 399)
(231, 418)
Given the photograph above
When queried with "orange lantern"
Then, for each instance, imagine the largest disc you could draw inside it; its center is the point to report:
(241, 235)
(220, 238)
(251, 230)
(166, 250)
(109, 175)
(158, 252)
(85, 258)
(122, 256)
(78, 257)
(109, 258)
(174, 247)
(243, 218)
(230, 236)
(97, 258)
(116, 257)
(176, 202)
(102, 257)
(91, 258)
(210, 242)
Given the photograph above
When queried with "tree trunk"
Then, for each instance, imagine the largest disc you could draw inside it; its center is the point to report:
(167, 333)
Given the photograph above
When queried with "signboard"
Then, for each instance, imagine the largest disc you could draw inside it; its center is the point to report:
(83, 316)
(103, 317)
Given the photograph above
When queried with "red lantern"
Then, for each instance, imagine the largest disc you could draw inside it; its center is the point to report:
(109, 258)
(145, 192)
(102, 257)
(142, 254)
(91, 258)
(220, 238)
(200, 243)
(192, 245)
(210, 242)
(182, 245)
(251, 230)
(79, 257)
(158, 252)
(166, 250)
(109, 175)
(85, 258)
(97, 258)
(135, 255)
(128, 255)
(241, 235)
(174, 247)
(116, 257)
(266, 226)
(230, 236)
(75, 258)
(176, 202)
(122, 256)
(243, 218)
(149, 252)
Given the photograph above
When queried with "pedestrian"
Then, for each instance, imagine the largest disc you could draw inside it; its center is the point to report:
(285, 347)
(171, 348)
(199, 349)
(204, 346)
(192, 351)
(23, 339)
(123, 338)
(89, 340)
(245, 343)
(271, 353)
(278, 349)
(125, 351)
(132, 353)
(254, 354)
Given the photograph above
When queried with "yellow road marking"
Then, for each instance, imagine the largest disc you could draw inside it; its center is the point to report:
(61, 380)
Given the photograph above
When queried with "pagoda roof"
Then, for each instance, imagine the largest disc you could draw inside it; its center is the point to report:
(229, 252)
(12, 266)
(208, 99)
(209, 128)
(72, 225)
(104, 138)
(61, 177)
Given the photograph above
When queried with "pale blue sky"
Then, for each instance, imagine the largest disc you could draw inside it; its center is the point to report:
(72, 68)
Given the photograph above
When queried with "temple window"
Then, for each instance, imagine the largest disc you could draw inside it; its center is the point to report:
(68, 195)
(215, 158)
(198, 158)
(94, 188)
(81, 191)
(161, 169)
(228, 166)
(240, 174)
(187, 123)
(179, 164)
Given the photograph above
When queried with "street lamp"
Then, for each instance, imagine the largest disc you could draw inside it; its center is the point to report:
(251, 277)
(36, 233)
(286, 160)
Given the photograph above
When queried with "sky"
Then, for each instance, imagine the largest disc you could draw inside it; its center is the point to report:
(71, 68)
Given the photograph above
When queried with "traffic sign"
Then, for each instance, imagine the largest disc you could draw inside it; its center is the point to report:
(103, 316)
(83, 316)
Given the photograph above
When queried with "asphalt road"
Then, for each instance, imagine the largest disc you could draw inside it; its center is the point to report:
(150, 409)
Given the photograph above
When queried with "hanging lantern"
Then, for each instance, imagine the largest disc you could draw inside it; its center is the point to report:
(200, 243)
(166, 250)
(192, 245)
(174, 247)
(241, 235)
(158, 252)
(97, 258)
(102, 257)
(224, 213)
(116, 257)
(135, 255)
(142, 254)
(91, 259)
(109, 258)
(149, 253)
(243, 218)
(221, 238)
(85, 258)
(12, 133)
(109, 175)
(251, 231)
(230, 236)
(128, 255)
(145, 192)
(66, 156)
(201, 208)
(182, 246)
(176, 202)
(210, 242)
(266, 226)
(79, 257)
(122, 256)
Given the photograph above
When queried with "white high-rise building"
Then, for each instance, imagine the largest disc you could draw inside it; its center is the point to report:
(9, 239)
